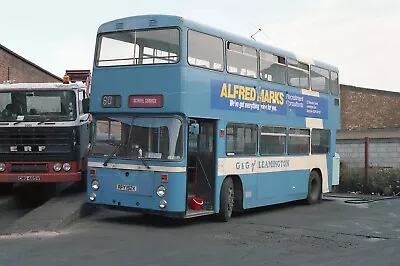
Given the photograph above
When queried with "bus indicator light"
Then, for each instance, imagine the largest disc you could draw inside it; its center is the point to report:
(164, 178)
(145, 101)
(92, 172)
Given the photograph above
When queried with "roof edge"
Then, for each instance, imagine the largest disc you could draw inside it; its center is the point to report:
(358, 88)
(30, 62)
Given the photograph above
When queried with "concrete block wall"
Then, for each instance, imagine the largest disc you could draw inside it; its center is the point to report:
(382, 152)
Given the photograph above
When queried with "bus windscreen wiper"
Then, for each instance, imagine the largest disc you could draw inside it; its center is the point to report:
(44, 121)
(144, 162)
(141, 157)
(114, 153)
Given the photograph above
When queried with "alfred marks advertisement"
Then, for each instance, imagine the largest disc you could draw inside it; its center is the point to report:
(235, 97)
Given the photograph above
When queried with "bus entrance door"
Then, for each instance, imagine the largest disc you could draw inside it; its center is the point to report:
(201, 168)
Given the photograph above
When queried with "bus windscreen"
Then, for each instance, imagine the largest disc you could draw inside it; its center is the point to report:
(147, 138)
(143, 47)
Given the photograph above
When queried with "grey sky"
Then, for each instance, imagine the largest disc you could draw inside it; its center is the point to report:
(358, 36)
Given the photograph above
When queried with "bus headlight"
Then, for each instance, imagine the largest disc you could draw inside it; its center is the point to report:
(67, 167)
(95, 185)
(2, 167)
(57, 167)
(161, 191)
(92, 197)
(163, 203)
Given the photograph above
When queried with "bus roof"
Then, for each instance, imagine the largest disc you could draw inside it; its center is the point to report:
(41, 86)
(156, 21)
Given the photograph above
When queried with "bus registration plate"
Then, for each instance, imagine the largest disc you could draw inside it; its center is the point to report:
(129, 188)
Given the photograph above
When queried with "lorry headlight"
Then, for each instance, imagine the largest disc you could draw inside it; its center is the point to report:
(57, 167)
(66, 167)
(161, 191)
(2, 167)
(163, 203)
(95, 185)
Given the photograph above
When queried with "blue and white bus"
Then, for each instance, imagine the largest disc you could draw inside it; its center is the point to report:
(191, 120)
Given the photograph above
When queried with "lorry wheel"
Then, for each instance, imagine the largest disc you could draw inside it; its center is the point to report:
(81, 184)
(6, 187)
(226, 200)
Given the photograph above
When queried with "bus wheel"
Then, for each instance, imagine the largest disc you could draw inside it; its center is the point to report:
(226, 200)
(314, 195)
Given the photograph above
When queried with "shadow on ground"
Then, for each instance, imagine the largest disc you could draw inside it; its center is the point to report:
(134, 218)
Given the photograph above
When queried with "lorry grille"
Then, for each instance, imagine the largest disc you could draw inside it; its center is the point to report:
(29, 167)
(35, 142)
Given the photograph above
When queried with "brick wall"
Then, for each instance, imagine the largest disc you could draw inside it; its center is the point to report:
(15, 67)
(367, 108)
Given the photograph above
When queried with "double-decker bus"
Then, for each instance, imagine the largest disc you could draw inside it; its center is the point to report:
(44, 133)
(190, 120)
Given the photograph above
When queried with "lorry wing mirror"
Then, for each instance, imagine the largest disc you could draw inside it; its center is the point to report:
(194, 129)
(84, 117)
(85, 105)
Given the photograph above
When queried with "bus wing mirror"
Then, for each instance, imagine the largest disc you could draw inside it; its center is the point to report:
(85, 105)
(194, 129)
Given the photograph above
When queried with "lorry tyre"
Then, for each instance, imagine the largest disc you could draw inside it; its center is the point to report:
(6, 187)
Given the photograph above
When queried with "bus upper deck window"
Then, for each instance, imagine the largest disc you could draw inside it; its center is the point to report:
(140, 47)
(334, 83)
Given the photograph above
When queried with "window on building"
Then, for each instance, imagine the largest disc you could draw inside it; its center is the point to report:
(241, 60)
(320, 141)
(299, 141)
(272, 140)
(298, 74)
(319, 79)
(334, 84)
(272, 68)
(241, 139)
(205, 51)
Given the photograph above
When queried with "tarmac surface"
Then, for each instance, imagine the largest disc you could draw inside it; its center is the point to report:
(331, 233)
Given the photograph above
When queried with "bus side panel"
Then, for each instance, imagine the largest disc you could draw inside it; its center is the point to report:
(278, 185)
(330, 158)
(273, 180)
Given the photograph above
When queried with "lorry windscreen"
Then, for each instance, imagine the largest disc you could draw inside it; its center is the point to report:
(41, 105)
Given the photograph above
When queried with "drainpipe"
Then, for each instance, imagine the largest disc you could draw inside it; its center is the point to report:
(366, 166)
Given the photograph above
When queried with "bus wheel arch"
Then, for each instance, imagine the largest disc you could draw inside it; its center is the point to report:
(238, 188)
(227, 199)
(314, 194)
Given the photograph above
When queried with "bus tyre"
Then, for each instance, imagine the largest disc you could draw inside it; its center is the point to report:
(226, 201)
(314, 195)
